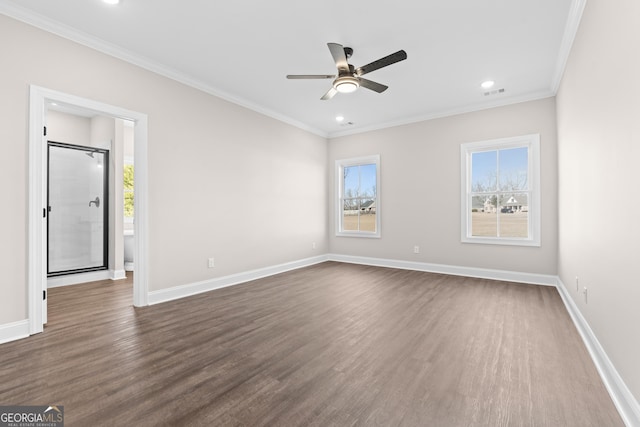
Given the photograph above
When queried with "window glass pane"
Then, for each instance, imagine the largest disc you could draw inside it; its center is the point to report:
(367, 215)
(127, 183)
(514, 164)
(367, 181)
(128, 204)
(484, 167)
(514, 215)
(350, 215)
(351, 181)
(484, 219)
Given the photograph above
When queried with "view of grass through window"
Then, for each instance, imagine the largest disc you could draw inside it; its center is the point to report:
(500, 193)
(128, 191)
(359, 198)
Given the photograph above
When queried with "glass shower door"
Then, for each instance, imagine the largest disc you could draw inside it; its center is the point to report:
(77, 222)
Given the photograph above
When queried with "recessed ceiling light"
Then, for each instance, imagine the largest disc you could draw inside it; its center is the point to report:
(111, 1)
(488, 84)
(339, 118)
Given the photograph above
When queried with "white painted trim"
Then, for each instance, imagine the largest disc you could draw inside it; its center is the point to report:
(37, 280)
(117, 274)
(340, 164)
(54, 27)
(74, 279)
(503, 102)
(532, 142)
(14, 331)
(454, 270)
(49, 25)
(570, 31)
(627, 405)
(37, 245)
(164, 295)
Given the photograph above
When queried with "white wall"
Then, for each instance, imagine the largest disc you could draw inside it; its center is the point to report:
(224, 181)
(68, 128)
(599, 150)
(420, 189)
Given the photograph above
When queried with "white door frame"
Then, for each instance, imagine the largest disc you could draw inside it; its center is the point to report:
(37, 237)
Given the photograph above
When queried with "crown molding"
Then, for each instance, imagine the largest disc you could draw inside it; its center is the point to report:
(570, 31)
(80, 37)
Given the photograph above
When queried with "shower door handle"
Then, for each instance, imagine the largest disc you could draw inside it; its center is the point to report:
(95, 202)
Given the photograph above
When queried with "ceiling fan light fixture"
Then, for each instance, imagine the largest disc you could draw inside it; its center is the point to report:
(346, 84)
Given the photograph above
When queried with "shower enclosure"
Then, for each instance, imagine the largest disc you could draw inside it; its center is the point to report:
(77, 199)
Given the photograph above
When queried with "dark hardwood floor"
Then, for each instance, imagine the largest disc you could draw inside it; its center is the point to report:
(328, 345)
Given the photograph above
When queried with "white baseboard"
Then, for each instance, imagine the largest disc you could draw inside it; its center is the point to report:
(625, 402)
(117, 274)
(14, 331)
(74, 279)
(482, 273)
(177, 292)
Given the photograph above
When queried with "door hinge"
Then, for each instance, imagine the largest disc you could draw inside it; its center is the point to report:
(45, 131)
(44, 212)
(44, 295)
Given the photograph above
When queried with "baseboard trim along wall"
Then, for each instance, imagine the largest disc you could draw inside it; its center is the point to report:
(454, 270)
(625, 402)
(14, 331)
(156, 297)
(182, 291)
(117, 274)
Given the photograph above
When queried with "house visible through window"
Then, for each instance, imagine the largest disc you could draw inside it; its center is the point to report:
(358, 203)
(501, 191)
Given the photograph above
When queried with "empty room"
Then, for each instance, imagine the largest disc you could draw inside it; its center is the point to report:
(333, 214)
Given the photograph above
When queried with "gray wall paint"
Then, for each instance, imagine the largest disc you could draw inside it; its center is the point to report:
(599, 148)
(420, 189)
(224, 181)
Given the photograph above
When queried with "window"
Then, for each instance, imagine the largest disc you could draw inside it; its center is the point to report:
(501, 191)
(128, 192)
(358, 197)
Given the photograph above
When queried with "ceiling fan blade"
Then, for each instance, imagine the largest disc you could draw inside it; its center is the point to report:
(330, 94)
(337, 51)
(310, 76)
(400, 55)
(376, 87)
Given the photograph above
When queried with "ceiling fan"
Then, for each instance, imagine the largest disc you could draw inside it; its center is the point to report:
(349, 78)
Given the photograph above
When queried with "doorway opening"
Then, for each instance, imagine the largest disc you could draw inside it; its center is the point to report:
(77, 222)
(41, 99)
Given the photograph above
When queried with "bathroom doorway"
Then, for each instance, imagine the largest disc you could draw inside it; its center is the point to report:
(41, 102)
(78, 209)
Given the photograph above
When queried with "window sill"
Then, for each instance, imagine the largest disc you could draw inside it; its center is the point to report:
(500, 241)
(364, 234)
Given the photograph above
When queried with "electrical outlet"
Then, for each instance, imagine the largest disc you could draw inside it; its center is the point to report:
(416, 249)
(211, 263)
(313, 245)
(584, 291)
(577, 284)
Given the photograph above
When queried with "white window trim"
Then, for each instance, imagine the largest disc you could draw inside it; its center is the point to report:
(531, 141)
(340, 165)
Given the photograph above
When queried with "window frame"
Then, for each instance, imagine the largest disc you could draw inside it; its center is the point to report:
(340, 164)
(532, 142)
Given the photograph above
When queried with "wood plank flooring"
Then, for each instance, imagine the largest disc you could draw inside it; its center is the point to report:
(328, 345)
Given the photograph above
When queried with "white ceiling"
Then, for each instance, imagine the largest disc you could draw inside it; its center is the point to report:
(242, 50)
